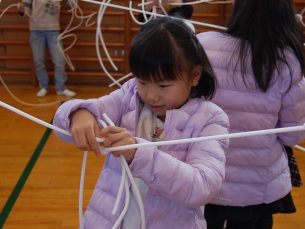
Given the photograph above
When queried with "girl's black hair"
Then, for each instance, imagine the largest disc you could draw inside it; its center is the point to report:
(266, 28)
(166, 47)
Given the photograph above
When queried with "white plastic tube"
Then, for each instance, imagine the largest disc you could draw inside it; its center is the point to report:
(151, 13)
(81, 190)
(213, 137)
(300, 148)
(34, 119)
(134, 186)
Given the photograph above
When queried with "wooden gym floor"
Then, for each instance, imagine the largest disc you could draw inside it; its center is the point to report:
(39, 174)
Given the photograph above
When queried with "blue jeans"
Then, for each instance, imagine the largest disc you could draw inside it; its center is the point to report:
(39, 40)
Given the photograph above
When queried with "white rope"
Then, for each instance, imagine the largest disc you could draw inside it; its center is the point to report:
(98, 36)
(122, 182)
(43, 123)
(34, 119)
(134, 186)
(120, 192)
(81, 191)
(143, 12)
(127, 201)
(201, 1)
(160, 143)
(301, 16)
(69, 28)
(221, 2)
(26, 103)
(120, 79)
(300, 148)
(7, 8)
(150, 13)
(75, 9)
(213, 137)
(134, 18)
(190, 3)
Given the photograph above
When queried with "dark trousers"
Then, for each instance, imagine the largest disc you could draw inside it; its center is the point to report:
(220, 217)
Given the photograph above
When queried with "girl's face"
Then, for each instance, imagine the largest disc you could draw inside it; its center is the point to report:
(166, 95)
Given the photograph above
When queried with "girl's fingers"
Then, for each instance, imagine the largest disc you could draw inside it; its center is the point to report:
(84, 129)
(85, 139)
(117, 139)
(81, 142)
(111, 130)
(93, 144)
(117, 136)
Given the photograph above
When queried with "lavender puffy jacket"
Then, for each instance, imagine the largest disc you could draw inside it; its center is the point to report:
(256, 167)
(181, 178)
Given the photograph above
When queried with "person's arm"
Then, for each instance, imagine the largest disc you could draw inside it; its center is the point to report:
(68, 2)
(193, 181)
(21, 8)
(25, 7)
(292, 111)
(84, 130)
(109, 104)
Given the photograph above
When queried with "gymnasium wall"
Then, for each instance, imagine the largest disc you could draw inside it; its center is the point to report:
(117, 28)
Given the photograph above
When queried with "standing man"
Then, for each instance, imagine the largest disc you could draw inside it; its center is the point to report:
(44, 31)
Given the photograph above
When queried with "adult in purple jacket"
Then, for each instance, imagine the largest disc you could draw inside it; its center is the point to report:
(167, 100)
(259, 64)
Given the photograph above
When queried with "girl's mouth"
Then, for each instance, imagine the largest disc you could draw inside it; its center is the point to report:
(156, 108)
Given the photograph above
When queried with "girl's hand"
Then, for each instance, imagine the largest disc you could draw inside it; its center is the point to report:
(84, 130)
(117, 136)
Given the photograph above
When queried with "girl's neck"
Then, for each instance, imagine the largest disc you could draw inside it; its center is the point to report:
(162, 118)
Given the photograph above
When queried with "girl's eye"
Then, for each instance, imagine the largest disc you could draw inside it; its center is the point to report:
(164, 85)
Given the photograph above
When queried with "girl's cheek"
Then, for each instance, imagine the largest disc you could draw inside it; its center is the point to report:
(141, 94)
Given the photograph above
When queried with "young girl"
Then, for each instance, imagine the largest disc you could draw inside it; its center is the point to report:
(167, 100)
(259, 65)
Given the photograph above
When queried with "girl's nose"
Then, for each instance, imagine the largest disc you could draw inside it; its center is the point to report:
(153, 97)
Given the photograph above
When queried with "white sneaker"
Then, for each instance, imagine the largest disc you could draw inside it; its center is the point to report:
(66, 92)
(42, 92)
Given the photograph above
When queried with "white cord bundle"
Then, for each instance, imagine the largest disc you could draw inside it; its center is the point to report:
(123, 184)
(116, 6)
(100, 40)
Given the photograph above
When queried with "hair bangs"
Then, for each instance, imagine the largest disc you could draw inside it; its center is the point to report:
(154, 57)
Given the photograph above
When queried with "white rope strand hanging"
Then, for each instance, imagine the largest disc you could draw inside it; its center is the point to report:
(134, 188)
(99, 37)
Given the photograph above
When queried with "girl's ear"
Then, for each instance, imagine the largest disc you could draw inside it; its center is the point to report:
(196, 74)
